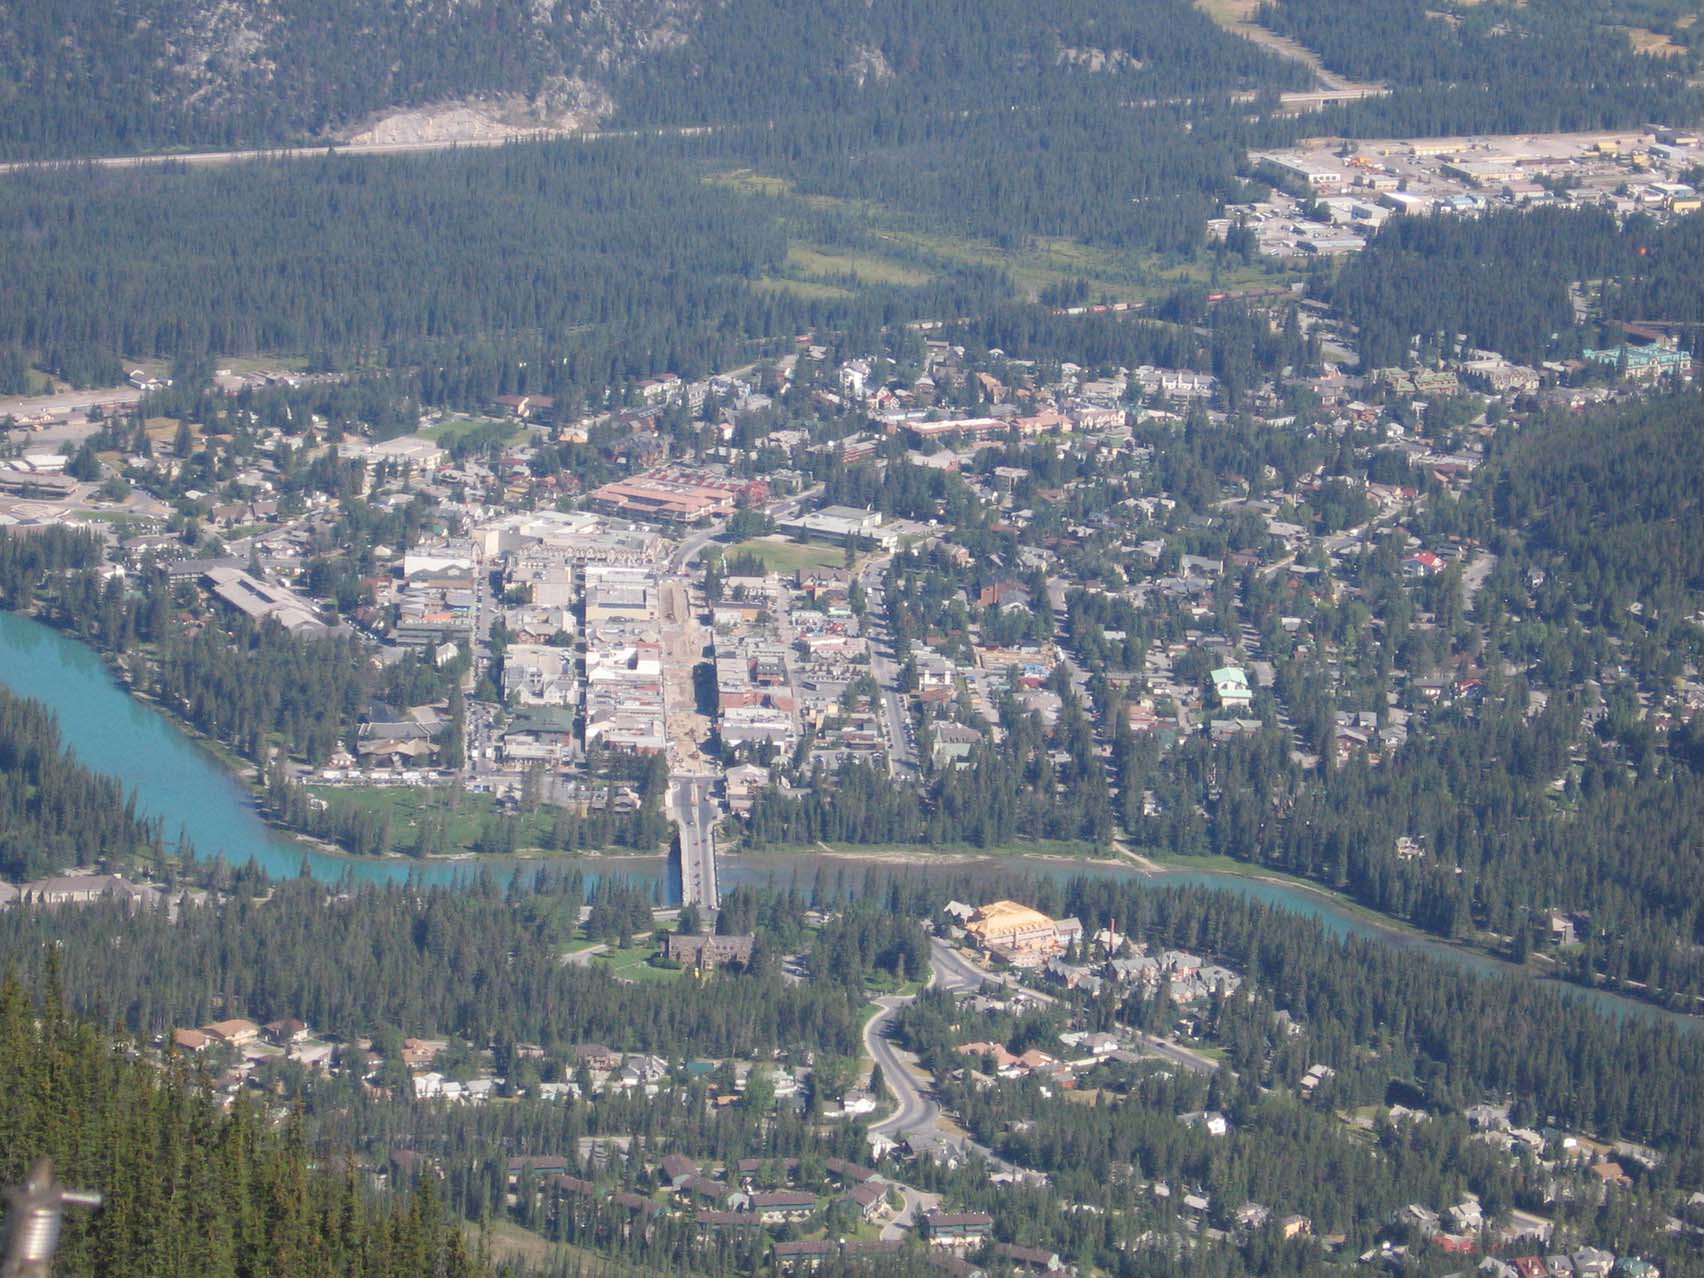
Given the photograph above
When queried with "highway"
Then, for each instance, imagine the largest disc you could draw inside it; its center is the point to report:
(203, 159)
(70, 401)
(695, 813)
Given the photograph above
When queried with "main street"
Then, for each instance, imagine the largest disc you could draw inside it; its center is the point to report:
(884, 669)
(692, 801)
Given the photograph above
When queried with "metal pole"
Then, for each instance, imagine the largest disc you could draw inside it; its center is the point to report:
(34, 1215)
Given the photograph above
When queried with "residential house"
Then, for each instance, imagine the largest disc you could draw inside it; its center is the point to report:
(792, 1256)
(775, 1206)
(233, 1033)
(677, 1168)
(1035, 1260)
(956, 1228)
(868, 1198)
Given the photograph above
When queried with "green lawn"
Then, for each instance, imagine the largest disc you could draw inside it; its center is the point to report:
(635, 965)
(465, 815)
(453, 429)
(789, 556)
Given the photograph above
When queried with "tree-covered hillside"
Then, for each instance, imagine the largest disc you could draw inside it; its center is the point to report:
(1497, 67)
(190, 1189)
(78, 77)
(89, 76)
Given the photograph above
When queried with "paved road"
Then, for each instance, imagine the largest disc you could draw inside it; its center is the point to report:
(692, 547)
(695, 813)
(1177, 1055)
(952, 971)
(695, 545)
(69, 401)
(914, 1111)
(908, 1083)
(1474, 575)
(884, 669)
(916, 1203)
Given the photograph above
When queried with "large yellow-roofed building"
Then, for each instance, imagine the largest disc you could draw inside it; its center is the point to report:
(1009, 923)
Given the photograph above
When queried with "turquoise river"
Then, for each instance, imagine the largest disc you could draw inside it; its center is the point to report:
(188, 790)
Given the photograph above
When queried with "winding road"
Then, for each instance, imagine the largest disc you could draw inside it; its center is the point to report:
(914, 1111)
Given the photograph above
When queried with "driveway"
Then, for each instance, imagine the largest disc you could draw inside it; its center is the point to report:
(916, 1203)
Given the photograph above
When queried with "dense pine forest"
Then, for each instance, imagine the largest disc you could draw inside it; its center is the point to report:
(90, 78)
(85, 78)
(568, 268)
(1493, 68)
(482, 964)
(476, 961)
(1502, 280)
(252, 687)
(189, 1188)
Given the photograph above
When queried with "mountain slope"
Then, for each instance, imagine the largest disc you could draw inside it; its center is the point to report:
(90, 76)
(86, 75)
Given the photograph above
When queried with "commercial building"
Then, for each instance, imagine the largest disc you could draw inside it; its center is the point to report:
(696, 951)
(259, 600)
(420, 455)
(666, 500)
(1019, 936)
(839, 525)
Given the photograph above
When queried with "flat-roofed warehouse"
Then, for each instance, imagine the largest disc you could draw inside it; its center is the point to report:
(839, 524)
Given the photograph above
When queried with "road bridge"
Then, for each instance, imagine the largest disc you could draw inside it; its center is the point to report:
(695, 812)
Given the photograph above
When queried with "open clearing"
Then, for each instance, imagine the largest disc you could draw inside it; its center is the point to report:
(819, 271)
(452, 430)
(635, 965)
(809, 290)
(781, 555)
(866, 268)
(406, 805)
(1655, 43)
(534, 1252)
